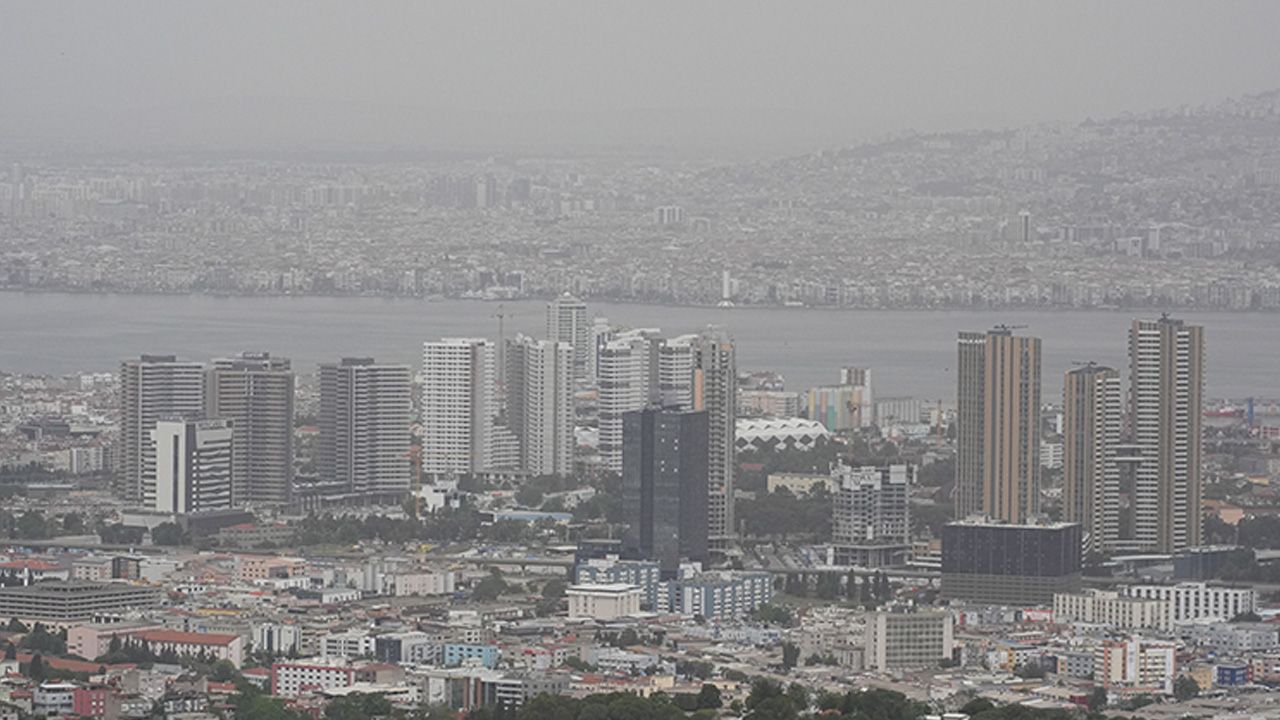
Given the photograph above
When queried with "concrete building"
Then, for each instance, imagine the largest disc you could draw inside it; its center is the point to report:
(289, 679)
(219, 646)
(194, 461)
(151, 388)
(65, 603)
(1092, 421)
(277, 638)
(907, 640)
(898, 410)
(1005, 564)
(458, 405)
(768, 403)
(1112, 609)
(539, 390)
(89, 640)
(53, 699)
(645, 574)
(1136, 663)
(256, 393)
(664, 486)
(600, 601)
(870, 522)
(1197, 601)
(569, 323)
(627, 372)
(721, 595)
(1166, 374)
(455, 654)
(834, 406)
(1235, 639)
(998, 426)
(799, 484)
(365, 413)
(715, 392)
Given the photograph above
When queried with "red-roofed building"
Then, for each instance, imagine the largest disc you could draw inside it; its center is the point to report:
(214, 645)
(259, 676)
(26, 571)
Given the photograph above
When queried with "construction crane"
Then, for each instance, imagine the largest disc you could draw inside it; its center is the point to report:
(501, 373)
(415, 456)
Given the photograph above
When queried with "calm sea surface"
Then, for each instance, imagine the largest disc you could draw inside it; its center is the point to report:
(911, 352)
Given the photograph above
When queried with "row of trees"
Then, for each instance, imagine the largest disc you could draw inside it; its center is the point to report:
(830, 586)
(445, 526)
(782, 514)
(33, 525)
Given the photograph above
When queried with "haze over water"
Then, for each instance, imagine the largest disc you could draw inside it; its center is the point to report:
(911, 352)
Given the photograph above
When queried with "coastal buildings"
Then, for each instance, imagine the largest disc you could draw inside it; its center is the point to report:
(539, 412)
(195, 463)
(1166, 375)
(664, 486)
(458, 405)
(365, 411)
(715, 390)
(1092, 423)
(998, 426)
(152, 387)
(255, 393)
(569, 323)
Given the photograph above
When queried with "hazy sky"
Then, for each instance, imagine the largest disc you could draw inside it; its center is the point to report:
(760, 77)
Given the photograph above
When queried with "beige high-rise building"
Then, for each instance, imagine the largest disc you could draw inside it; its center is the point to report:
(1166, 384)
(568, 322)
(1092, 423)
(998, 425)
(151, 388)
(458, 405)
(255, 391)
(540, 403)
(715, 390)
(627, 372)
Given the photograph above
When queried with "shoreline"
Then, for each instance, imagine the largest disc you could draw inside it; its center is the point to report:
(429, 299)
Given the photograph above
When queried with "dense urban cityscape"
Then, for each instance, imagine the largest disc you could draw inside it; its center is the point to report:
(1165, 210)
(507, 373)
(622, 515)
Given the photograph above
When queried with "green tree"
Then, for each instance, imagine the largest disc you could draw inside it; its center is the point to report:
(554, 589)
(1097, 699)
(1185, 688)
(31, 526)
(167, 533)
(358, 706)
(529, 496)
(799, 695)
(36, 670)
(790, 655)
(771, 614)
(223, 671)
(73, 523)
(709, 697)
(489, 589)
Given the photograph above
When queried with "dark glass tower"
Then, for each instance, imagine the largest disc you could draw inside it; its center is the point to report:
(664, 485)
